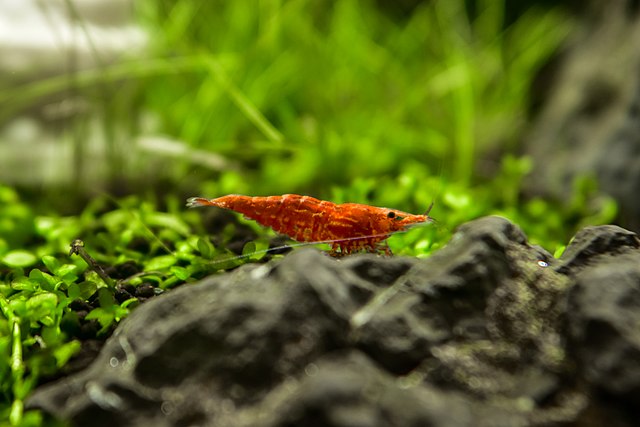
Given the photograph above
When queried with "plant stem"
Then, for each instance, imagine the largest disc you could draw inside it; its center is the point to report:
(17, 364)
(77, 248)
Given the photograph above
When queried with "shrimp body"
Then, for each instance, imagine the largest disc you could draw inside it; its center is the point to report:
(348, 227)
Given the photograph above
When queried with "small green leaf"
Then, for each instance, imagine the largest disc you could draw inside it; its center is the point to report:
(249, 249)
(19, 307)
(66, 270)
(19, 258)
(44, 299)
(52, 263)
(255, 249)
(148, 278)
(160, 262)
(165, 220)
(93, 277)
(121, 312)
(65, 352)
(41, 306)
(181, 273)
(104, 317)
(51, 336)
(32, 418)
(261, 249)
(205, 248)
(68, 273)
(47, 320)
(105, 297)
(224, 262)
(73, 291)
(187, 257)
(87, 288)
(185, 248)
(46, 281)
(24, 284)
(130, 303)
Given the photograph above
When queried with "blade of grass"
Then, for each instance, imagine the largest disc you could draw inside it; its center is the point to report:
(243, 103)
(24, 95)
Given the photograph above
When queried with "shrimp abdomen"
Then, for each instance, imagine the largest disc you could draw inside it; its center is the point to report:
(299, 217)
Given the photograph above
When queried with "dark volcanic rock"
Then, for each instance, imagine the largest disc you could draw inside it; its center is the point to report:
(604, 326)
(591, 243)
(444, 297)
(349, 390)
(490, 331)
(590, 123)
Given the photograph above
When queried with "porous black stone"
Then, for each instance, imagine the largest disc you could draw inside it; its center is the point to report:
(489, 331)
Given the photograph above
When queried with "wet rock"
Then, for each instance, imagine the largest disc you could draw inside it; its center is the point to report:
(488, 331)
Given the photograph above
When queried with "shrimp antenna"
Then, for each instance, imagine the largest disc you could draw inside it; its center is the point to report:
(429, 208)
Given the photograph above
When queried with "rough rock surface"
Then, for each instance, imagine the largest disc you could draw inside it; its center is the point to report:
(489, 331)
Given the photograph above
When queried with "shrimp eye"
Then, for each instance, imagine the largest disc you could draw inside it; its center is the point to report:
(391, 214)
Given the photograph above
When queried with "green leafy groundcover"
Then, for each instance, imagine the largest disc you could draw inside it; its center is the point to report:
(57, 290)
(65, 281)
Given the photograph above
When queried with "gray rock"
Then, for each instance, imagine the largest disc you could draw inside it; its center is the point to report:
(231, 337)
(603, 315)
(604, 326)
(349, 390)
(589, 124)
(591, 243)
(444, 297)
(489, 331)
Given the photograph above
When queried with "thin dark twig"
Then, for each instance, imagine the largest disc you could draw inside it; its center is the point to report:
(77, 248)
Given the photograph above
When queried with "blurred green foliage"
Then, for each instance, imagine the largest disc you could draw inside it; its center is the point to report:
(300, 96)
(312, 95)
